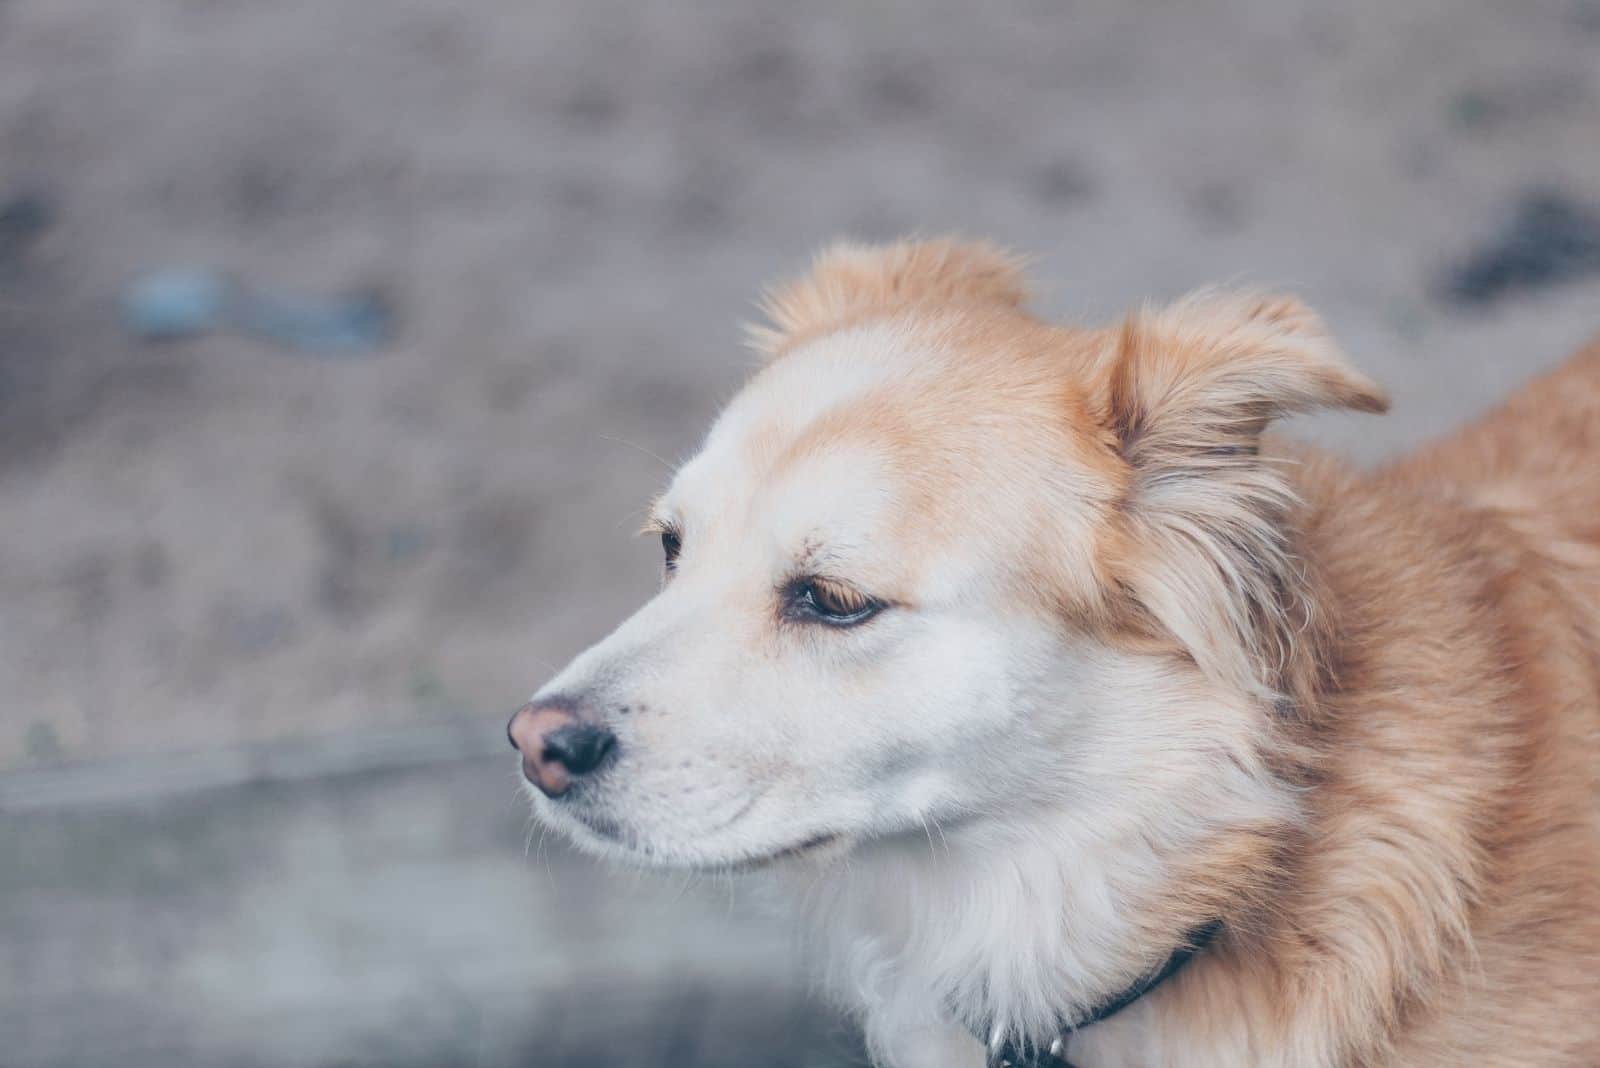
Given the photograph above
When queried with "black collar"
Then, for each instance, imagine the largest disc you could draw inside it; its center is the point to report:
(1003, 1053)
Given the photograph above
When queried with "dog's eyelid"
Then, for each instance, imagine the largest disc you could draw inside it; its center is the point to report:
(841, 592)
(827, 600)
(657, 525)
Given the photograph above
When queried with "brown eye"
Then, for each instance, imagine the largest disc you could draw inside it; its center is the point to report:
(671, 546)
(833, 603)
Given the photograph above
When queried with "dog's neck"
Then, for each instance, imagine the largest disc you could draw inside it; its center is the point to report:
(1027, 924)
(1005, 1052)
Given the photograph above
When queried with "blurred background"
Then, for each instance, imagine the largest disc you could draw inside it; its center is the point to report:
(342, 343)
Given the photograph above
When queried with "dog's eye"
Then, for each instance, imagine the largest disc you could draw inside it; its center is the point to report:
(671, 546)
(830, 602)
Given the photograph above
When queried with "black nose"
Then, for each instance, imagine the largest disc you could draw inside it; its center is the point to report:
(556, 744)
(579, 747)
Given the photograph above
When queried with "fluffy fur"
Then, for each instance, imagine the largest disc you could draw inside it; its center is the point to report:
(1137, 668)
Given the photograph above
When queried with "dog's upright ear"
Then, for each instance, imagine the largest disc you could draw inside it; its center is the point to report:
(1185, 393)
(1212, 369)
(850, 280)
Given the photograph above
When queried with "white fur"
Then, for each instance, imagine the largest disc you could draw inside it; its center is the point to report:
(1022, 918)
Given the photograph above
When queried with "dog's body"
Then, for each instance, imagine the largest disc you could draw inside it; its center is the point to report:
(1016, 656)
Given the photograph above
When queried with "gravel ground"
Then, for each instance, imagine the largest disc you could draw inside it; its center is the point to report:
(222, 561)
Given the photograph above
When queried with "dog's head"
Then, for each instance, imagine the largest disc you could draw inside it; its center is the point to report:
(940, 559)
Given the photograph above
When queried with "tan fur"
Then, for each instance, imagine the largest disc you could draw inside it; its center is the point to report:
(848, 280)
(1422, 643)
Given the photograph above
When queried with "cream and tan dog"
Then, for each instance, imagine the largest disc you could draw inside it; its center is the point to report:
(1016, 657)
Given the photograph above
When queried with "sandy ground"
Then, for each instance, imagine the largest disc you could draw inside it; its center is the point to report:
(221, 561)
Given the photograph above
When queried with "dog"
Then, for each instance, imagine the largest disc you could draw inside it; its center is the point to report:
(1079, 720)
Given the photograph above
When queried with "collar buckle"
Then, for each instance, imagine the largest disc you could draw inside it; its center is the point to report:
(1002, 1054)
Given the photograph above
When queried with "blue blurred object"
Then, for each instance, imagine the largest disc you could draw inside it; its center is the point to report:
(356, 322)
(180, 302)
(175, 302)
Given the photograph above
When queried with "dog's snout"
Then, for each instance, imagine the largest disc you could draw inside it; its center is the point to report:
(557, 745)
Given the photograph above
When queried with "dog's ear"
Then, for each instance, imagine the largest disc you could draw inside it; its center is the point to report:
(849, 280)
(1211, 370)
(1185, 393)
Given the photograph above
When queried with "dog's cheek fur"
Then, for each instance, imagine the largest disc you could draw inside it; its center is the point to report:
(1155, 812)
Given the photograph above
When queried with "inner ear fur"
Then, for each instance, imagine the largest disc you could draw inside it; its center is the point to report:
(1185, 394)
(849, 280)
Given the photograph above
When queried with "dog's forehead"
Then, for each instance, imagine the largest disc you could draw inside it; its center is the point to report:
(883, 442)
(771, 440)
(824, 376)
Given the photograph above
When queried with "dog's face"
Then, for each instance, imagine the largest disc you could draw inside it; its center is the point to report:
(917, 577)
(846, 644)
